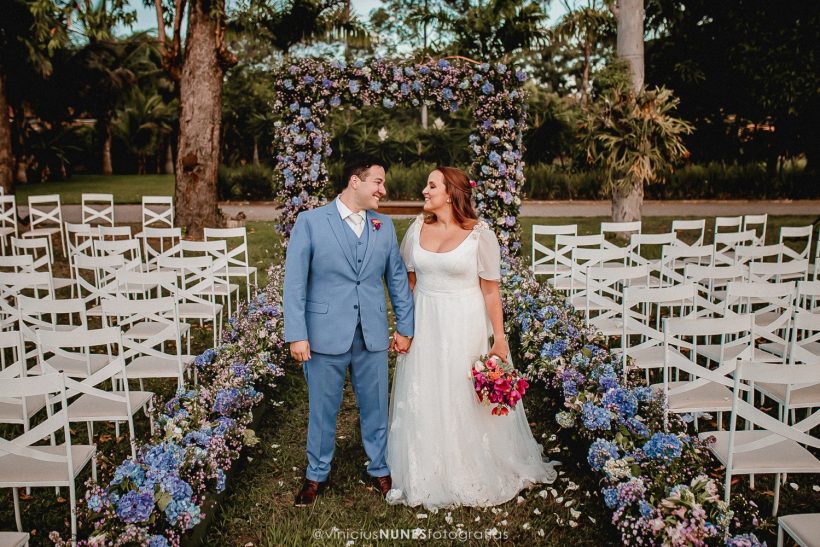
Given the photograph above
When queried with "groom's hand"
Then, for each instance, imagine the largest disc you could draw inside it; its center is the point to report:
(401, 343)
(300, 350)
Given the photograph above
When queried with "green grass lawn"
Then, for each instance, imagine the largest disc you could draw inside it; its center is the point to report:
(126, 188)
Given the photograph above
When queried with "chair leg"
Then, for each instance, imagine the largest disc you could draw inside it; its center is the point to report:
(73, 500)
(776, 502)
(90, 427)
(779, 535)
(17, 519)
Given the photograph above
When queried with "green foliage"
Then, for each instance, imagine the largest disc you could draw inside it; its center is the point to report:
(144, 125)
(634, 139)
(246, 182)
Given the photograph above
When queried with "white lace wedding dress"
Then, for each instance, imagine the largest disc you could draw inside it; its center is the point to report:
(444, 447)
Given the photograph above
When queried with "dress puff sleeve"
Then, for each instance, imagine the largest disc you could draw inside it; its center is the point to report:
(489, 255)
(406, 249)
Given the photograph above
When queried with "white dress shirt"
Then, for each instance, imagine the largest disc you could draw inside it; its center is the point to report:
(354, 220)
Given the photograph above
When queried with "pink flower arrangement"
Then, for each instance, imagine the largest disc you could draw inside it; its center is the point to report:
(377, 224)
(497, 383)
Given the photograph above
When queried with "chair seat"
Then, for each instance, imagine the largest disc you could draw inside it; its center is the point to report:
(194, 310)
(147, 329)
(783, 457)
(220, 289)
(239, 271)
(40, 232)
(90, 407)
(651, 357)
(13, 412)
(804, 397)
(22, 471)
(613, 326)
(6, 230)
(580, 303)
(776, 348)
(61, 282)
(565, 283)
(540, 269)
(13, 539)
(708, 397)
(712, 351)
(804, 528)
(149, 366)
(72, 367)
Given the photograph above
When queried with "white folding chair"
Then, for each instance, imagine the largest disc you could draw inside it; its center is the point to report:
(146, 356)
(96, 278)
(78, 239)
(93, 404)
(43, 212)
(712, 280)
(17, 411)
(797, 236)
(640, 304)
(65, 315)
(239, 259)
(776, 447)
(195, 295)
(706, 390)
(727, 243)
(753, 222)
(114, 232)
(565, 246)
(39, 249)
(697, 228)
(16, 263)
(804, 349)
(674, 259)
(217, 250)
(157, 242)
(25, 464)
(12, 285)
(604, 295)
(129, 249)
(654, 242)
(749, 254)
(8, 220)
(803, 528)
(98, 209)
(545, 260)
(584, 258)
(157, 211)
(778, 272)
(620, 229)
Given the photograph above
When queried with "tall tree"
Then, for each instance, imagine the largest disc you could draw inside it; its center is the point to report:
(627, 198)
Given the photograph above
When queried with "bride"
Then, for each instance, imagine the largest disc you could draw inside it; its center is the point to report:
(444, 447)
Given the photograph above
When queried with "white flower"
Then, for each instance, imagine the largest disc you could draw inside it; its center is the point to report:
(383, 134)
(543, 494)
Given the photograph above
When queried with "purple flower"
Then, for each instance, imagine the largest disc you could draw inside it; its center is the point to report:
(135, 506)
(595, 417)
(663, 446)
(600, 452)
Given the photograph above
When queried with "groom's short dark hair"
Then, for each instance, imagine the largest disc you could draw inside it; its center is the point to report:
(358, 166)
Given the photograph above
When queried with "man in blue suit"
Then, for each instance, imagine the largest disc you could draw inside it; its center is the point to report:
(338, 259)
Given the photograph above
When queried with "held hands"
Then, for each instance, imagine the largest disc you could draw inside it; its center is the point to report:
(300, 350)
(500, 349)
(400, 344)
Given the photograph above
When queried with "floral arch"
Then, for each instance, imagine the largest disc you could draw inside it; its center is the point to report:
(307, 90)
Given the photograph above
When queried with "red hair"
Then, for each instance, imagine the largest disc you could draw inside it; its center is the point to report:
(458, 187)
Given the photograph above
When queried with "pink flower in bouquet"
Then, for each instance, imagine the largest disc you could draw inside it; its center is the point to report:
(497, 384)
(514, 397)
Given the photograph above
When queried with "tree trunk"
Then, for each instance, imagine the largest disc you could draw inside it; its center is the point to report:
(6, 153)
(630, 39)
(200, 116)
(104, 132)
(585, 75)
(168, 168)
(627, 204)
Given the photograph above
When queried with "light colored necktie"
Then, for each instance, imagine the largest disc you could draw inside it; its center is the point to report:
(358, 223)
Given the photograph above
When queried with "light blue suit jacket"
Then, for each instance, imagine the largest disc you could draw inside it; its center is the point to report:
(325, 293)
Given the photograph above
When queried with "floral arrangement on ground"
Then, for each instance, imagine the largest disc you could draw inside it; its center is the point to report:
(654, 482)
(309, 88)
(156, 497)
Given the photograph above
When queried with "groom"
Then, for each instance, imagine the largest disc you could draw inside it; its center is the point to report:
(338, 259)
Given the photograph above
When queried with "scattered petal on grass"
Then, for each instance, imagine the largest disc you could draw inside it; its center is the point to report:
(541, 532)
(574, 513)
(477, 519)
(569, 503)
(816, 488)
(573, 524)
(421, 516)
(503, 522)
(496, 510)
(543, 494)
(525, 526)
(592, 520)
(794, 486)
(448, 518)
(554, 492)
(274, 446)
(520, 499)
(559, 500)
(536, 511)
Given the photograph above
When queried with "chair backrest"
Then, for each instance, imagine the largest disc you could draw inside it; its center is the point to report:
(84, 341)
(17, 263)
(95, 276)
(675, 257)
(778, 272)
(734, 224)
(545, 260)
(129, 249)
(39, 250)
(758, 253)
(726, 243)
(618, 228)
(160, 242)
(657, 241)
(114, 232)
(753, 222)
(45, 209)
(805, 340)
(131, 282)
(196, 278)
(808, 295)
(98, 209)
(793, 233)
(51, 386)
(157, 211)
(698, 226)
(49, 314)
(11, 341)
(78, 238)
(8, 213)
(605, 286)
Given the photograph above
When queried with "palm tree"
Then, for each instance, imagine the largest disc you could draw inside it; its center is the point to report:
(144, 125)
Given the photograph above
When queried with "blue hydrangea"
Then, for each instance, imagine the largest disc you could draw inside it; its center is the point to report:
(220, 480)
(487, 88)
(95, 503)
(743, 540)
(595, 417)
(225, 400)
(645, 509)
(388, 103)
(663, 446)
(611, 497)
(130, 470)
(376, 87)
(178, 488)
(206, 358)
(135, 506)
(600, 452)
(164, 458)
(622, 401)
(158, 541)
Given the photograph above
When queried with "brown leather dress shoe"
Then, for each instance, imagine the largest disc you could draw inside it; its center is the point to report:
(382, 484)
(309, 492)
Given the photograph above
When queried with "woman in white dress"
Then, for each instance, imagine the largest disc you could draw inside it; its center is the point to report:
(444, 447)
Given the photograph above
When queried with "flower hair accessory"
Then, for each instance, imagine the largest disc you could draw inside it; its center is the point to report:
(473, 183)
(377, 224)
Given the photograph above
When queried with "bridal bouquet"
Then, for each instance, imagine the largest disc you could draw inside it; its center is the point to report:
(497, 383)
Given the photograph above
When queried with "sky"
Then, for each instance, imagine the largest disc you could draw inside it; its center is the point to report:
(147, 19)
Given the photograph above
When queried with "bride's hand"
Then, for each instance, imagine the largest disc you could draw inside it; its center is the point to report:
(500, 349)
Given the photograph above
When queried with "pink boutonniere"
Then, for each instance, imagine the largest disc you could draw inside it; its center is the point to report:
(377, 224)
